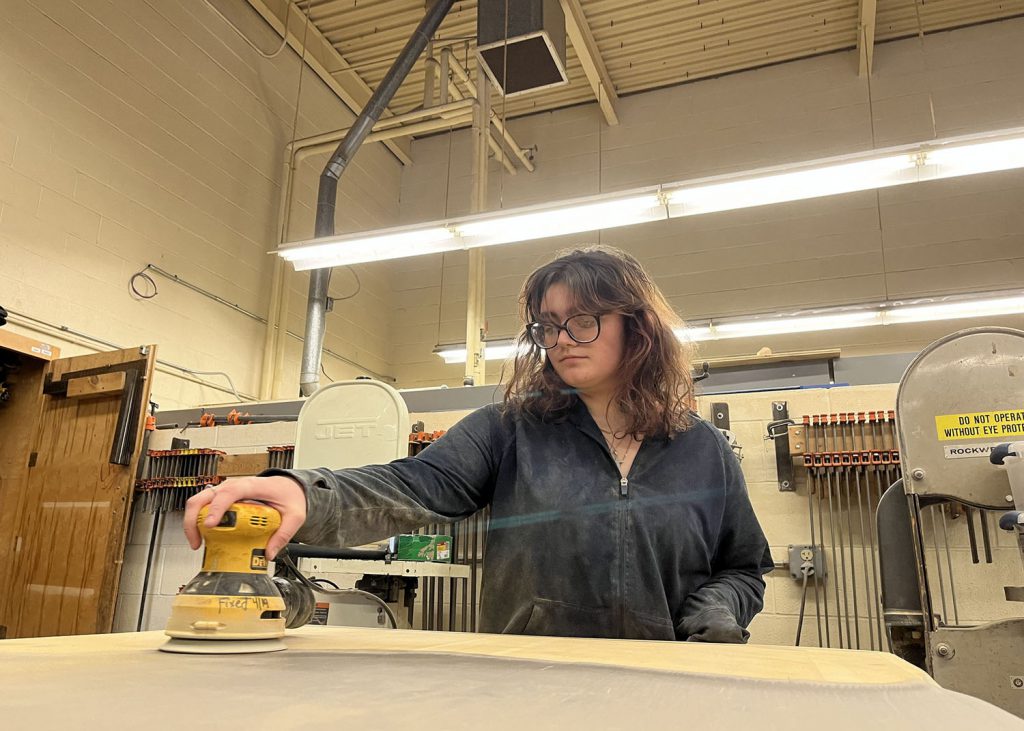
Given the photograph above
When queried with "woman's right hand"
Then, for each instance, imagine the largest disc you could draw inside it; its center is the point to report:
(281, 493)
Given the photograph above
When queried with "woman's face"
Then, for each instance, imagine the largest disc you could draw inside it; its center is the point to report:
(591, 368)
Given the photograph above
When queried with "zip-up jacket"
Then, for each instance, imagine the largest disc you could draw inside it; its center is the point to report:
(671, 551)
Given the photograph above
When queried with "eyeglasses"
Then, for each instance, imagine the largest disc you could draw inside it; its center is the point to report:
(581, 328)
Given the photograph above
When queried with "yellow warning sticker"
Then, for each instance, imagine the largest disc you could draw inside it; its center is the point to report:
(980, 425)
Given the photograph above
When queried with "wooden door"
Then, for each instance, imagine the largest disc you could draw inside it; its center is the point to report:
(23, 363)
(65, 541)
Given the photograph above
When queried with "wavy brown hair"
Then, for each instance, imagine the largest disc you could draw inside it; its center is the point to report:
(656, 393)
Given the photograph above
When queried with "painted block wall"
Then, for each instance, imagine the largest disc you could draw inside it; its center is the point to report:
(963, 235)
(135, 133)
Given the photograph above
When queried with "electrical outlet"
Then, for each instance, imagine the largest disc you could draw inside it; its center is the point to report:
(800, 554)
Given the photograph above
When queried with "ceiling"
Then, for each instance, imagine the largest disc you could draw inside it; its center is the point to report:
(643, 44)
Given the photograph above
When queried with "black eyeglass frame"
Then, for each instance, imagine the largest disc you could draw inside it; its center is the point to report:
(563, 326)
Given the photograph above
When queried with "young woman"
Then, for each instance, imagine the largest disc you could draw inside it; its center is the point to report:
(615, 510)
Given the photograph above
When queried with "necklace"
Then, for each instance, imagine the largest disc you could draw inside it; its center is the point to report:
(609, 438)
(615, 454)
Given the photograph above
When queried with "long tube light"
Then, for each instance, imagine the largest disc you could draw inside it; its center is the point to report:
(784, 325)
(489, 229)
(592, 215)
(955, 309)
(931, 309)
(493, 350)
(393, 244)
(931, 160)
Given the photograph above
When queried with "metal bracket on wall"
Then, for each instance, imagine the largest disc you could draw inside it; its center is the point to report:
(720, 415)
(720, 419)
(783, 459)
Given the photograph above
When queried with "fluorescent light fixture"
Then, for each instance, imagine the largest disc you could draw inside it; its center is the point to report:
(780, 325)
(694, 334)
(982, 157)
(456, 353)
(609, 213)
(356, 249)
(931, 309)
(936, 160)
(488, 229)
(815, 182)
(932, 160)
(795, 324)
(953, 308)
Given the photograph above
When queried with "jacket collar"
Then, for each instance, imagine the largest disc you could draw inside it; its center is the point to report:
(580, 417)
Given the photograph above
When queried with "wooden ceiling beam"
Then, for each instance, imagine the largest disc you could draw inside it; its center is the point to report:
(578, 30)
(325, 61)
(866, 35)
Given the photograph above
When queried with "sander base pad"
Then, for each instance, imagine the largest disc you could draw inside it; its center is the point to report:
(221, 647)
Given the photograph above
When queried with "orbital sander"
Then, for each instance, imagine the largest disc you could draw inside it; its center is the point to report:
(232, 605)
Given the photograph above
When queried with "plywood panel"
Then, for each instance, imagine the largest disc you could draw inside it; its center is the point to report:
(469, 681)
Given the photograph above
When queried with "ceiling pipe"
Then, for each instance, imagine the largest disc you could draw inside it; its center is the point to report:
(416, 122)
(410, 128)
(320, 279)
(417, 115)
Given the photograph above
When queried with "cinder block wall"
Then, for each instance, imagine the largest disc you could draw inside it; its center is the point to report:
(951, 236)
(783, 516)
(135, 133)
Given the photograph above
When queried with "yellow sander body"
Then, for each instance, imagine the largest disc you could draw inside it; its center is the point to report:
(231, 605)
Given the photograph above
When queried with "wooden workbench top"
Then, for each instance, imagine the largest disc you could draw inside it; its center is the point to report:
(361, 677)
(763, 662)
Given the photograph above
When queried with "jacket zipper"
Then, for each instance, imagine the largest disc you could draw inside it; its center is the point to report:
(623, 495)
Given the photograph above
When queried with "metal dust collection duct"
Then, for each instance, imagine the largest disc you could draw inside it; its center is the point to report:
(319, 302)
(521, 44)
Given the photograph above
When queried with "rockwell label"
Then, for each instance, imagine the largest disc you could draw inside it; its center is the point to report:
(967, 451)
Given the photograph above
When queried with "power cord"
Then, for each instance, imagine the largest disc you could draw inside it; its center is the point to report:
(359, 287)
(146, 278)
(285, 559)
